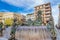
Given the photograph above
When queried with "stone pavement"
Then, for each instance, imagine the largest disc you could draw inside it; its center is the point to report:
(58, 33)
(6, 34)
(33, 33)
(2, 38)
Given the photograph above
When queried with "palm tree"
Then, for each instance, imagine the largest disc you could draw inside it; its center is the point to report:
(38, 21)
(29, 22)
(50, 27)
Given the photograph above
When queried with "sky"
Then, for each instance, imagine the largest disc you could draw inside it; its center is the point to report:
(27, 6)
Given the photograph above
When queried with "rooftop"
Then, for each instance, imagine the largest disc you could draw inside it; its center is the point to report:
(29, 14)
(42, 4)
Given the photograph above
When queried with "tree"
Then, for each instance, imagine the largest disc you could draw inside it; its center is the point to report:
(8, 22)
(29, 22)
(38, 21)
(50, 27)
(13, 30)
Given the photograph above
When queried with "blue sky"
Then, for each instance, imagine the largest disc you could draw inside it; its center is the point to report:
(27, 6)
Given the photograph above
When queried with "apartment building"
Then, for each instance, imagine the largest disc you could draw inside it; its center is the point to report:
(20, 18)
(1, 15)
(59, 17)
(11, 17)
(46, 12)
(8, 18)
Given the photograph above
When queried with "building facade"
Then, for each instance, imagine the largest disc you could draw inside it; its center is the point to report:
(1, 17)
(20, 18)
(46, 12)
(9, 17)
(59, 17)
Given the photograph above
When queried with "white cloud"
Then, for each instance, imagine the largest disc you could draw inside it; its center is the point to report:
(55, 13)
(55, 1)
(20, 3)
(23, 13)
(28, 4)
(38, 2)
(25, 2)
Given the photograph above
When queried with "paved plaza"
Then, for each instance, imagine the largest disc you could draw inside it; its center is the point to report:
(30, 33)
(33, 33)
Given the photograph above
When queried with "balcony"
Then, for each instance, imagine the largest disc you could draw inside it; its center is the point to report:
(37, 8)
(47, 16)
(48, 13)
(41, 7)
(47, 6)
(46, 10)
